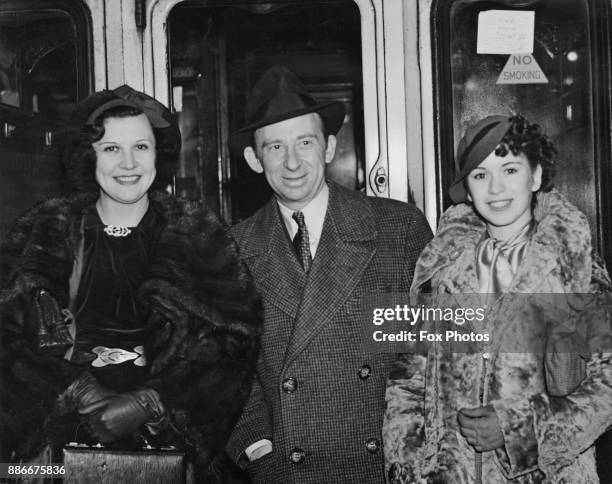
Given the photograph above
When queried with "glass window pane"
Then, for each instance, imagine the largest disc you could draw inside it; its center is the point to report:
(44, 69)
(562, 105)
(217, 53)
(38, 62)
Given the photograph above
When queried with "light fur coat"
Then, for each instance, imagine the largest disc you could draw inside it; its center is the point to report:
(547, 439)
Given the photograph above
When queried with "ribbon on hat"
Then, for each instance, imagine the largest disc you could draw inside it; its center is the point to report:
(146, 104)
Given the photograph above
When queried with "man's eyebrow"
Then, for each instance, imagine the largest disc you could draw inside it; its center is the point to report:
(280, 142)
(307, 135)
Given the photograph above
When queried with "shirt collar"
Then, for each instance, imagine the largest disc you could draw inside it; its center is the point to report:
(314, 216)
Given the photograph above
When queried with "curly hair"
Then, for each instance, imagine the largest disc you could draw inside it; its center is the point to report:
(526, 138)
(81, 159)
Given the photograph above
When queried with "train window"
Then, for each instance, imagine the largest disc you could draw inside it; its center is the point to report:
(38, 61)
(552, 85)
(218, 50)
(44, 71)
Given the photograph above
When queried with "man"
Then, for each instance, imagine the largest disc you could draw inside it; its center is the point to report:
(316, 408)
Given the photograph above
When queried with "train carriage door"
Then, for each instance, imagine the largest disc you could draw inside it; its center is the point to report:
(546, 59)
(218, 50)
(44, 71)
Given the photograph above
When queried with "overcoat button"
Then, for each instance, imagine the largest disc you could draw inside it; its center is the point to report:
(364, 372)
(372, 445)
(289, 385)
(297, 455)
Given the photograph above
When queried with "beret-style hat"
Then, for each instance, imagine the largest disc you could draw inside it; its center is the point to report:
(87, 111)
(478, 142)
(160, 117)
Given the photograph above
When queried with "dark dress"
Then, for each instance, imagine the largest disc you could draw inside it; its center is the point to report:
(110, 329)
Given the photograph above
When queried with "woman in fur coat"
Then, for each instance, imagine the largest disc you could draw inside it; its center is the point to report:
(127, 316)
(527, 406)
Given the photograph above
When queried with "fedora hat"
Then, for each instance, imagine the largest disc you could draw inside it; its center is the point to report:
(280, 95)
(478, 142)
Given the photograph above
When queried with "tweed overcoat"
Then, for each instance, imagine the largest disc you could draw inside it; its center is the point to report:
(203, 321)
(311, 334)
(547, 439)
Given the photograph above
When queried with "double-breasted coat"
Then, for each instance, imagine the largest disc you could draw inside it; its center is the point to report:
(319, 396)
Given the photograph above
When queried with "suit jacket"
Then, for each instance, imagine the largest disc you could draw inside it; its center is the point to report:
(318, 395)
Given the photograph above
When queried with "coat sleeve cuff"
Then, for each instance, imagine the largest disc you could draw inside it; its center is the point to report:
(252, 426)
(243, 438)
(520, 452)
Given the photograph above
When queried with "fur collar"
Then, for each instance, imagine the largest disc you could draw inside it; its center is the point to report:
(562, 241)
(193, 262)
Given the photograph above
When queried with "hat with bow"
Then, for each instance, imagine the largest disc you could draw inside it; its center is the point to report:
(85, 118)
(89, 110)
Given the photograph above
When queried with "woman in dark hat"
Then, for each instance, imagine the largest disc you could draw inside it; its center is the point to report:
(521, 408)
(127, 316)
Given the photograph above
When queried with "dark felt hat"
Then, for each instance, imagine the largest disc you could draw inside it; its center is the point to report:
(478, 142)
(160, 117)
(280, 95)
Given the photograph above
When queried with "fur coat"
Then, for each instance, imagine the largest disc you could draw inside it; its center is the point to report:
(547, 439)
(203, 324)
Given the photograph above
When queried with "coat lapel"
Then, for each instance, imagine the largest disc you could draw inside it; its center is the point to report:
(346, 248)
(272, 261)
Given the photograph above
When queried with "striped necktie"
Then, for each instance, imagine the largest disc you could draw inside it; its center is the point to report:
(301, 242)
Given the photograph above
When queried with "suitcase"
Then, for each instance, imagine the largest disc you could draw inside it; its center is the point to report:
(85, 464)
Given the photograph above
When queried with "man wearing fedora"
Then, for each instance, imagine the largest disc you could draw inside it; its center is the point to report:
(316, 407)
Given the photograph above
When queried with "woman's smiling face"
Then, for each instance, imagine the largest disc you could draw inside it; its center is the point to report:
(125, 159)
(501, 189)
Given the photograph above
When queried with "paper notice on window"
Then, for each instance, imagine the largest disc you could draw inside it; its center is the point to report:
(505, 32)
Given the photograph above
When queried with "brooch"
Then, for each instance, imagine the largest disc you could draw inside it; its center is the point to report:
(117, 231)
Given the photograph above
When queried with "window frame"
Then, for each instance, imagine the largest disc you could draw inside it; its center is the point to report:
(80, 13)
(600, 19)
(377, 112)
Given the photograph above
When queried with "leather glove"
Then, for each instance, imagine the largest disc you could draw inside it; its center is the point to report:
(52, 334)
(121, 415)
(83, 392)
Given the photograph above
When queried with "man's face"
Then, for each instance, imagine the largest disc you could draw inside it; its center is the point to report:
(292, 155)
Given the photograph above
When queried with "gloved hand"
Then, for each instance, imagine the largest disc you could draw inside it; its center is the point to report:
(83, 392)
(121, 415)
